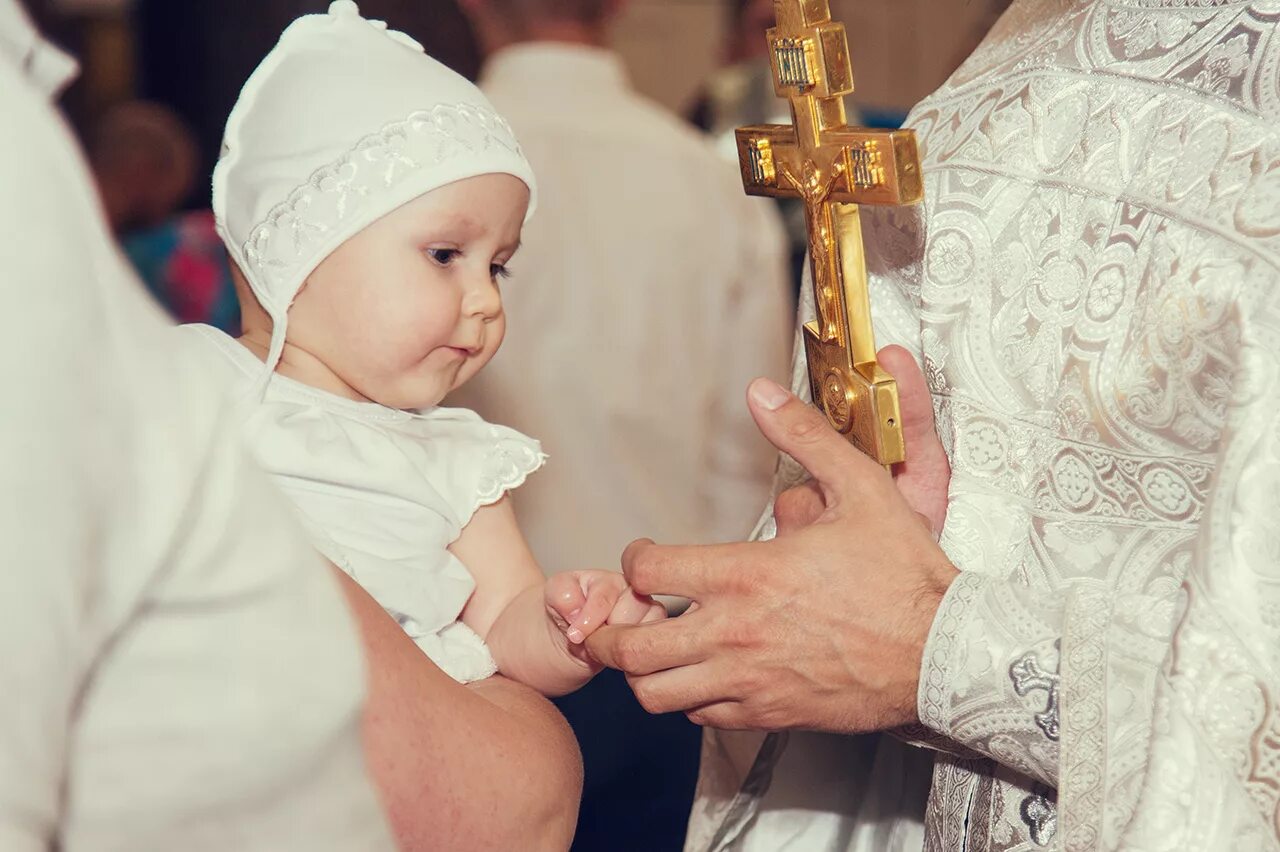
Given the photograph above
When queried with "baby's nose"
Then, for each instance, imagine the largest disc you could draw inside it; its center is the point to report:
(483, 299)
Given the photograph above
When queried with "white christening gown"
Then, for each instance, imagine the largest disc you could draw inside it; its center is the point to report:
(383, 492)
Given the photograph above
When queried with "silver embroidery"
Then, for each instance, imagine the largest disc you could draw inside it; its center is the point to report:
(1028, 675)
(1041, 817)
(1097, 250)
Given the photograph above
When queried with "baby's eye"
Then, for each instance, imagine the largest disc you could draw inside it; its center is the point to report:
(443, 256)
(498, 270)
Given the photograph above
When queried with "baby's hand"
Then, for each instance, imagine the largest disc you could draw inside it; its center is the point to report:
(580, 601)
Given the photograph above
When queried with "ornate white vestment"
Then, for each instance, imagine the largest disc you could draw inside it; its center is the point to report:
(1092, 286)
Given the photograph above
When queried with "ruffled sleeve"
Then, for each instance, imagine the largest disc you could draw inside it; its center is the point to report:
(479, 461)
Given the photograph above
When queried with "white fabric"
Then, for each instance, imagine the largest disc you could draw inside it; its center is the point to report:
(647, 294)
(47, 69)
(1093, 284)
(341, 123)
(383, 492)
(179, 671)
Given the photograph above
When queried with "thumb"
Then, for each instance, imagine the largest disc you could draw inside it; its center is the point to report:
(802, 432)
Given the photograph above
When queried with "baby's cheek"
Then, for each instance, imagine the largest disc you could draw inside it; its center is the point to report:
(414, 334)
(495, 333)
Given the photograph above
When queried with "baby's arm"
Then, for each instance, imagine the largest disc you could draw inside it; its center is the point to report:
(523, 618)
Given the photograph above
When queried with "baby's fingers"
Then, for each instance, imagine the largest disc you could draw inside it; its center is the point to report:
(595, 612)
(632, 608)
(564, 598)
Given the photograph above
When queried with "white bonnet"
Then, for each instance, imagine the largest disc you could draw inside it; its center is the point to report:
(342, 122)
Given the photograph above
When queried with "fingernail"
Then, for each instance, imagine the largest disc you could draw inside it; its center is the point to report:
(769, 394)
(575, 635)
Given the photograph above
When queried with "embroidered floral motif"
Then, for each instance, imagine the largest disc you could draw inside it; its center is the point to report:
(1140, 32)
(1106, 294)
(984, 447)
(1225, 63)
(1170, 493)
(1073, 480)
(951, 259)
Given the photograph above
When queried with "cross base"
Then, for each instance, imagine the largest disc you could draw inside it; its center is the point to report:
(862, 407)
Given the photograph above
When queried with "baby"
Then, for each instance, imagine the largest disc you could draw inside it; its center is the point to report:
(371, 200)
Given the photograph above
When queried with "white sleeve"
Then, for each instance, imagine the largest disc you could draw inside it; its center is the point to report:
(180, 672)
(478, 462)
(1006, 711)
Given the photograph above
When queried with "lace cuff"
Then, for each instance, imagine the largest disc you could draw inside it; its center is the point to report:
(989, 681)
(939, 651)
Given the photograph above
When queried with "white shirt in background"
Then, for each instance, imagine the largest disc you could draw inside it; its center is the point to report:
(179, 670)
(648, 292)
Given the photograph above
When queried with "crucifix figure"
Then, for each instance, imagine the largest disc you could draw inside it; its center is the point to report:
(833, 168)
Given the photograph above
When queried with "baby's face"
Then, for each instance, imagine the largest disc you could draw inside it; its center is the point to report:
(409, 308)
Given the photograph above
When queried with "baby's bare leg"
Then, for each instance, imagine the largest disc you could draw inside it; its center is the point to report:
(492, 765)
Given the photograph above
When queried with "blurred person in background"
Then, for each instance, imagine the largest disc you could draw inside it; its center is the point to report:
(646, 295)
(741, 92)
(145, 161)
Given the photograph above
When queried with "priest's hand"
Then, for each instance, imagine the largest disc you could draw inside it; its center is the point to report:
(923, 479)
(821, 628)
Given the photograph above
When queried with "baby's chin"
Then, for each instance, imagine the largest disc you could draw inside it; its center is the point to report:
(415, 401)
(427, 389)
(407, 395)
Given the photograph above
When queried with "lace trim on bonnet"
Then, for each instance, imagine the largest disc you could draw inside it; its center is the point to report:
(335, 193)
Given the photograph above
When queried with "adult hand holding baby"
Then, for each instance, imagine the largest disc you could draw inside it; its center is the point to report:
(824, 626)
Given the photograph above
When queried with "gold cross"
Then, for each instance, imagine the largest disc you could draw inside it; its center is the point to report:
(833, 168)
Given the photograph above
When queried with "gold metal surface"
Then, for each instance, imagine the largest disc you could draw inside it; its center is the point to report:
(833, 168)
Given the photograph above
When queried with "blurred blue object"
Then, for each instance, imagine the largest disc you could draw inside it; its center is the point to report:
(183, 264)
